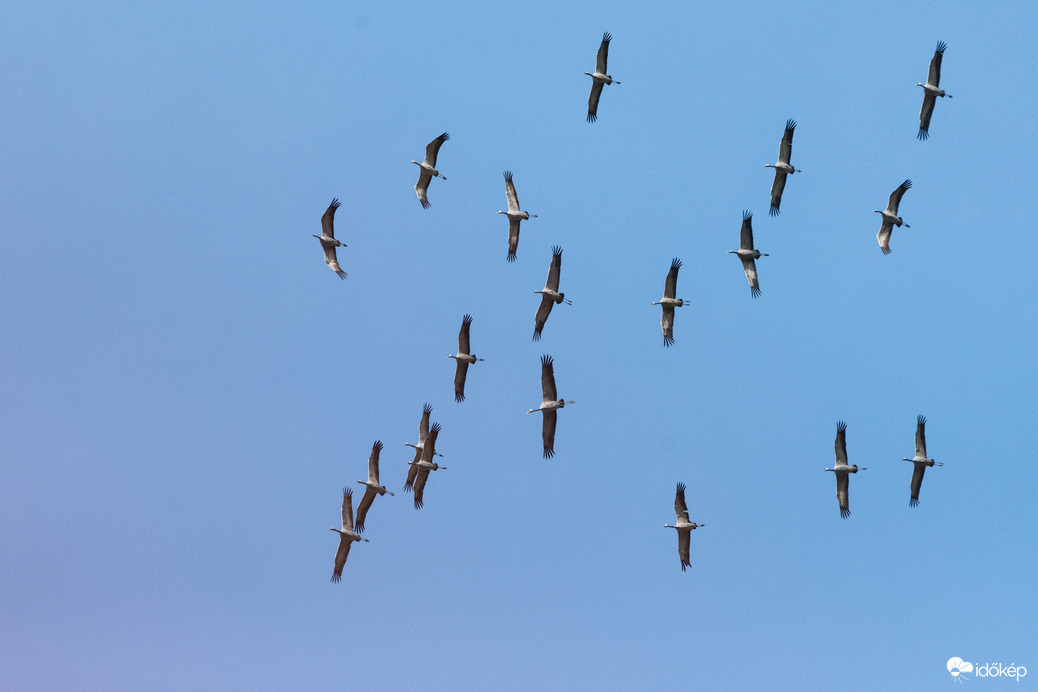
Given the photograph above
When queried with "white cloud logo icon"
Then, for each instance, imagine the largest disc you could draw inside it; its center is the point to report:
(956, 666)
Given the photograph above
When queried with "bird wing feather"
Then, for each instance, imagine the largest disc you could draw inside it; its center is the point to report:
(777, 186)
(786, 146)
(884, 237)
(548, 392)
(513, 198)
(362, 508)
(433, 148)
(543, 310)
(340, 557)
(412, 470)
(419, 488)
(841, 444)
(592, 101)
(463, 334)
(925, 113)
(422, 187)
(347, 509)
(749, 267)
(459, 380)
(328, 219)
(685, 549)
(667, 323)
(555, 269)
(920, 437)
(429, 449)
(670, 288)
(917, 483)
(746, 232)
(332, 261)
(513, 238)
(680, 508)
(603, 54)
(376, 449)
(934, 77)
(548, 432)
(842, 484)
(895, 197)
(423, 426)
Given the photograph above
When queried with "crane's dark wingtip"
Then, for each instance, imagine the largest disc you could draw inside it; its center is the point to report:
(548, 453)
(941, 46)
(907, 184)
(556, 250)
(746, 215)
(359, 528)
(914, 502)
(546, 360)
(335, 203)
(459, 397)
(607, 37)
(886, 250)
(508, 175)
(466, 319)
(791, 124)
(418, 504)
(511, 257)
(844, 513)
(426, 408)
(336, 578)
(681, 487)
(923, 135)
(920, 419)
(840, 426)
(445, 136)
(667, 341)
(675, 263)
(536, 336)
(591, 117)
(774, 211)
(683, 565)
(755, 292)
(425, 205)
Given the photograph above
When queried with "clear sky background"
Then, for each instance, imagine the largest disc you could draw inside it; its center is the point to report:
(185, 387)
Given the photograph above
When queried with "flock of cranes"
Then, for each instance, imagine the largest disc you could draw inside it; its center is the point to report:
(842, 470)
(425, 450)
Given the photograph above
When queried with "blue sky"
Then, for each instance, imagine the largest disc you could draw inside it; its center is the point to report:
(187, 387)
